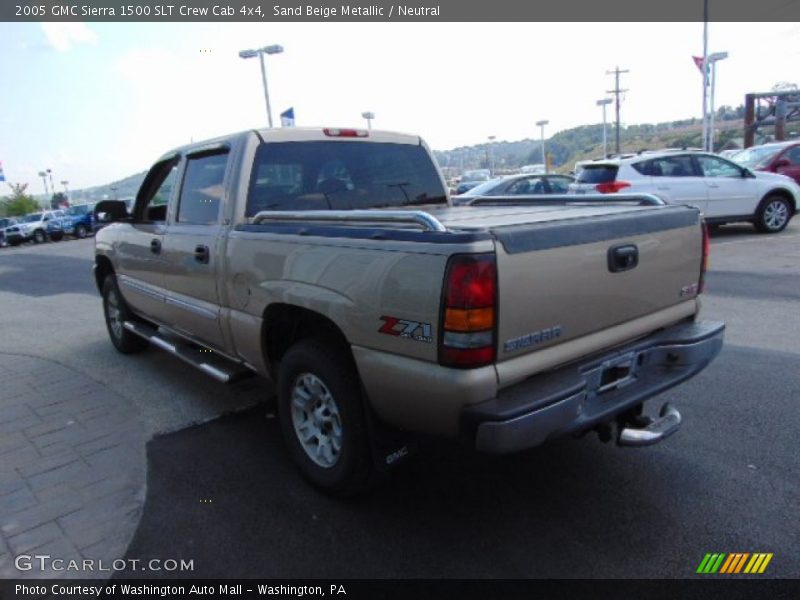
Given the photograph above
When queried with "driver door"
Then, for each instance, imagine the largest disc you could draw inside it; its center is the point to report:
(140, 265)
(730, 192)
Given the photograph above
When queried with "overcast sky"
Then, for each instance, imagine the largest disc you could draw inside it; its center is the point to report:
(97, 102)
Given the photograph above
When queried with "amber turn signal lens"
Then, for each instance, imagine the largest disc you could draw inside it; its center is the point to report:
(471, 319)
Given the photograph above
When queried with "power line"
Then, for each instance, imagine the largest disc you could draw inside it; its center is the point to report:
(616, 91)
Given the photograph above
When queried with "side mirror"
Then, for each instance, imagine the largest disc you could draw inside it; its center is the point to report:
(780, 164)
(110, 211)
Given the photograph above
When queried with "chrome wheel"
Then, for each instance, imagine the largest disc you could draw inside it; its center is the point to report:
(114, 314)
(776, 213)
(316, 420)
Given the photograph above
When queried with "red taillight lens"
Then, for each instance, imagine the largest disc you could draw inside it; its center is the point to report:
(468, 311)
(701, 284)
(333, 132)
(612, 187)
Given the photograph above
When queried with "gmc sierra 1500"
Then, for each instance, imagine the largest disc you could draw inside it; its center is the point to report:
(331, 261)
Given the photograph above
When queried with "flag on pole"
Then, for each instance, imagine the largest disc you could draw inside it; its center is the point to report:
(287, 117)
(2, 175)
(698, 60)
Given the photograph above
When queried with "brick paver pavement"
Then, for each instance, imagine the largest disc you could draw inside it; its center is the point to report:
(72, 468)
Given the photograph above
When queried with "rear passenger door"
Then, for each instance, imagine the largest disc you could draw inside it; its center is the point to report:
(191, 247)
(676, 180)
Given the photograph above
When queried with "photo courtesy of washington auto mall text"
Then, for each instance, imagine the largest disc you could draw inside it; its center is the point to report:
(78, 591)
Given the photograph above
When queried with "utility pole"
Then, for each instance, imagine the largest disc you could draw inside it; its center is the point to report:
(616, 91)
(705, 75)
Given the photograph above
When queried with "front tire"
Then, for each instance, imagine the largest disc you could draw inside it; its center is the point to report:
(322, 419)
(116, 312)
(773, 214)
(39, 237)
(80, 231)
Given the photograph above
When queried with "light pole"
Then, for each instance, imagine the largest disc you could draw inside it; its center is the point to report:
(541, 125)
(491, 155)
(52, 187)
(369, 115)
(43, 175)
(712, 60)
(260, 52)
(604, 102)
(65, 183)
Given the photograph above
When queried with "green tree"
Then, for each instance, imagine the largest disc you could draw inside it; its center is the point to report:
(19, 203)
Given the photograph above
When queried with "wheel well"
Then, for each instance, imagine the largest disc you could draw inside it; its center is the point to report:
(102, 268)
(284, 324)
(782, 194)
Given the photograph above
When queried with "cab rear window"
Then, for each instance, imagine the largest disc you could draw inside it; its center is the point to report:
(342, 175)
(598, 174)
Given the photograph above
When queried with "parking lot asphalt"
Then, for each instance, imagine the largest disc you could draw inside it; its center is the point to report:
(224, 494)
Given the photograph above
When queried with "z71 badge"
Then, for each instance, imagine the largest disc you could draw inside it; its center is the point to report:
(413, 330)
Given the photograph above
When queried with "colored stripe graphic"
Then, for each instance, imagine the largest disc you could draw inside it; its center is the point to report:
(734, 563)
(727, 564)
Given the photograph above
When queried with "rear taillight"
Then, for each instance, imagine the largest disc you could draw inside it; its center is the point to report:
(612, 187)
(335, 132)
(701, 284)
(469, 313)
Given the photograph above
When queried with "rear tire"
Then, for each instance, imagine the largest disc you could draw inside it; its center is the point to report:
(116, 312)
(39, 237)
(321, 413)
(80, 231)
(773, 214)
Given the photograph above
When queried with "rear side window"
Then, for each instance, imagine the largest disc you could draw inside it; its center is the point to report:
(342, 175)
(598, 174)
(670, 166)
(201, 191)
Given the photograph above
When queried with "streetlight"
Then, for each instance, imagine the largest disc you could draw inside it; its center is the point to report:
(541, 125)
(369, 115)
(260, 52)
(605, 102)
(491, 155)
(65, 183)
(43, 175)
(712, 60)
(52, 187)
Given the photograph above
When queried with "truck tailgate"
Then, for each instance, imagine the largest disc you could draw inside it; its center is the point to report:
(565, 279)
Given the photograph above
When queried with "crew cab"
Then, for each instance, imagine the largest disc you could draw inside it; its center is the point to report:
(79, 220)
(332, 262)
(39, 227)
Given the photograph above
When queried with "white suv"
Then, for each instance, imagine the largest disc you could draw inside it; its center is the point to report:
(724, 191)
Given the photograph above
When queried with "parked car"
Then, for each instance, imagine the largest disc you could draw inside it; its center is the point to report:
(382, 312)
(729, 154)
(537, 169)
(37, 227)
(5, 222)
(80, 221)
(778, 157)
(518, 185)
(726, 192)
(470, 179)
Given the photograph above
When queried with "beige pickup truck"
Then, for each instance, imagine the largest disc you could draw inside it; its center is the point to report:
(331, 262)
